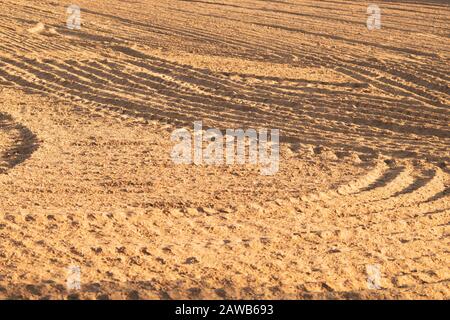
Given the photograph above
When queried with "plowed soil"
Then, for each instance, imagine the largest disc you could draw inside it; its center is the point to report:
(87, 180)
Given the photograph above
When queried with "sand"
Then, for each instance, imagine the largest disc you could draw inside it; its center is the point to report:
(87, 180)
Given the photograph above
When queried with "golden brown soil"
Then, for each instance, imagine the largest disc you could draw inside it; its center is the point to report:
(86, 177)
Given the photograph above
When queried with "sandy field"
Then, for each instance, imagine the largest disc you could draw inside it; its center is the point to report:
(360, 206)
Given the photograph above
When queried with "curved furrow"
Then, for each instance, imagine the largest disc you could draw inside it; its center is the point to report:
(17, 143)
(317, 115)
(197, 103)
(401, 194)
(385, 186)
(112, 98)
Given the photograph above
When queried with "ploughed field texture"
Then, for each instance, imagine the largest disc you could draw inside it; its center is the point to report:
(87, 182)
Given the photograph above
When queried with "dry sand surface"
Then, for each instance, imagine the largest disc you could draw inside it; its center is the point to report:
(87, 180)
